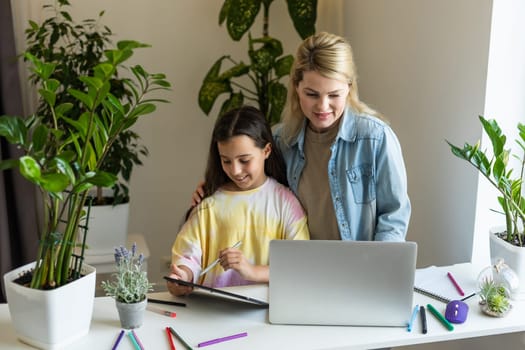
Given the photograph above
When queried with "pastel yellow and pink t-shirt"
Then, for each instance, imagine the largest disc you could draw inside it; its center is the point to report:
(254, 217)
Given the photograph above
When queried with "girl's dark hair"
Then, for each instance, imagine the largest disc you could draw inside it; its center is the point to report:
(247, 121)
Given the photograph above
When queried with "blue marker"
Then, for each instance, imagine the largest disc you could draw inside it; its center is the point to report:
(413, 318)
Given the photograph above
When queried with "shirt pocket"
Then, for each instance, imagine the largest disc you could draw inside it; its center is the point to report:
(362, 182)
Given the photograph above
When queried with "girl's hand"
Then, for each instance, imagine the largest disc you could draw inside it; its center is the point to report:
(180, 273)
(233, 258)
(197, 196)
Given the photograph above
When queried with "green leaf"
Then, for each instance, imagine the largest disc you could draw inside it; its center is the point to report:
(241, 15)
(40, 137)
(209, 92)
(102, 179)
(48, 96)
(30, 168)
(142, 109)
(82, 97)
(224, 11)
(236, 100)
(55, 182)
(63, 166)
(283, 66)
(303, 14)
(13, 129)
(277, 97)
(236, 71)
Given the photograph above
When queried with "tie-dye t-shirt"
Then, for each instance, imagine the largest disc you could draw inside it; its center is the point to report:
(254, 217)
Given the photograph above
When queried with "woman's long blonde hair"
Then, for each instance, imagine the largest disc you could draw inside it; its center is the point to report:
(331, 56)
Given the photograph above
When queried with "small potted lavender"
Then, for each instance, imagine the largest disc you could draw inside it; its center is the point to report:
(130, 287)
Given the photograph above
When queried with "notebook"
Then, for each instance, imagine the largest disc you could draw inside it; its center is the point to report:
(434, 282)
(341, 282)
(227, 294)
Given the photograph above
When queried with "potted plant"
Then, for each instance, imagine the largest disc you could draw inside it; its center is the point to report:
(76, 48)
(267, 64)
(63, 158)
(505, 242)
(494, 298)
(130, 287)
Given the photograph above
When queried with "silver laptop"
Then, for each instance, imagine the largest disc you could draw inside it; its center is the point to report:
(341, 282)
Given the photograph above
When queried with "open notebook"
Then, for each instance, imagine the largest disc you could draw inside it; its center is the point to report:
(433, 281)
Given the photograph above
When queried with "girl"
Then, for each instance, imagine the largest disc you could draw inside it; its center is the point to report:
(245, 199)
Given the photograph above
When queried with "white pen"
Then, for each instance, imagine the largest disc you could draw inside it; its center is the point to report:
(210, 266)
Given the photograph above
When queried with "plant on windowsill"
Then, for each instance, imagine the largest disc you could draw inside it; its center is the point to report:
(130, 287)
(507, 242)
(258, 81)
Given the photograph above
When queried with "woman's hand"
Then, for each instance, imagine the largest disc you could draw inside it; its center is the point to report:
(233, 258)
(197, 196)
(181, 273)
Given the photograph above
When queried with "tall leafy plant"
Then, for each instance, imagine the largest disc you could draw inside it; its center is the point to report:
(64, 151)
(76, 48)
(495, 167)
(259, 80)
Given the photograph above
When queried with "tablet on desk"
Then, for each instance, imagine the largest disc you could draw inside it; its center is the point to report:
(219, 292)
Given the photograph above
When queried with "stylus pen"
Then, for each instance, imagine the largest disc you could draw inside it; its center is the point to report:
(165, 302)
(423, 319)
(440, 317)
(212, 265)
(413, 318)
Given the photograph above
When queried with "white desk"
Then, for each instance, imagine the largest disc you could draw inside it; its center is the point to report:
(205, 319)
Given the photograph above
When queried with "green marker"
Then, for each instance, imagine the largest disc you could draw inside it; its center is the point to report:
(440, 317)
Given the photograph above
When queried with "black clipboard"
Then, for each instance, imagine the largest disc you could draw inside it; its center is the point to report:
(224, 293)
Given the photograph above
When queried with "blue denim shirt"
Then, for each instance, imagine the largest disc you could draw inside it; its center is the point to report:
(367, 175)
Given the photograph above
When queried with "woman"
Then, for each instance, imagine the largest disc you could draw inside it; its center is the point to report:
(343, 162)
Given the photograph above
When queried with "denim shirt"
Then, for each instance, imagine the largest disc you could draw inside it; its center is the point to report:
(367, 175)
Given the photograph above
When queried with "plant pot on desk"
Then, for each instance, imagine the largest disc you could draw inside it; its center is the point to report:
(131, 315)
(512, 255)
(51, 319)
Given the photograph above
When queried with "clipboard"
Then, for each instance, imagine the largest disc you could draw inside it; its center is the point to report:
(219, 292)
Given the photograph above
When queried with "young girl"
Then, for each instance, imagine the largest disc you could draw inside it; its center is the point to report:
(246, 200)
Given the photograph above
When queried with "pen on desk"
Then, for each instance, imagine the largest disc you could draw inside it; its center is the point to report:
(468, 296)
(170, 339)
(412, 319)
(219, 340)
(134, 341)
(162, 312)
(440, 317)
(165, 302)
(179, 338)
(137, 339)
(453, 280)
(216, 261)
(118, 340)
(423, 316)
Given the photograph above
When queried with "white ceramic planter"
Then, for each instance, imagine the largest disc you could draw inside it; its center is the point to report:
(108, 228)
(51, 319)
(512, 255)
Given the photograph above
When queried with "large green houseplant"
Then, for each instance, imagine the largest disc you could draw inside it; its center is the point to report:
(495, 164)
(76, 48)
(258, 81)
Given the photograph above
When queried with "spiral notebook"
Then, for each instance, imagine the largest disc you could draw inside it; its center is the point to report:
(433, 282)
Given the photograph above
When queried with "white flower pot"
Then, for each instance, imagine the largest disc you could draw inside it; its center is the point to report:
(512, 255)
(108, 228)
(51, 319)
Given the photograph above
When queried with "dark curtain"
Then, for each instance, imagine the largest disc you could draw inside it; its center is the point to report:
(18, 214)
